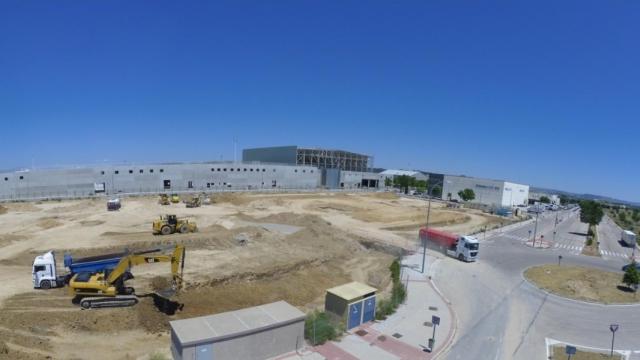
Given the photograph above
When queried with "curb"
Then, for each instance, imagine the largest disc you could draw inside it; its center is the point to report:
(454, 323)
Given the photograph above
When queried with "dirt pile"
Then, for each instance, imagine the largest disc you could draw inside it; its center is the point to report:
(3, 210)
(48, 223)
(230, 197)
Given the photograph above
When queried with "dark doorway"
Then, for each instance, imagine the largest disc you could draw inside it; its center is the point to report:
(167, 184)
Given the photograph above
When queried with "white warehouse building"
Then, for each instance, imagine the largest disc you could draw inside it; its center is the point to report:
(497, 193)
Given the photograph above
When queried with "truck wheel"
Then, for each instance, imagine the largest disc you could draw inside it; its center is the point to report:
(166, 230)
(183, 229)
(45, 284)
(85, 304)
(461, 257)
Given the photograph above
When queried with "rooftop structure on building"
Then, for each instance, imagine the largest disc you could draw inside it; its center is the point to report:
(319, 157)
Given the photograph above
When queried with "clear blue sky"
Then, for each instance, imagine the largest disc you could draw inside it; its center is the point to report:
(545, 93)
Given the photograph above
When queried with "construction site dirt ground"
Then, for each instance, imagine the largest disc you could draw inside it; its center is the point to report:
(250, 249)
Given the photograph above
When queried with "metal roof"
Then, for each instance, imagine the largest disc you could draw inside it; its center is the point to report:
(399, 172)
(352, 290)
(235, 323)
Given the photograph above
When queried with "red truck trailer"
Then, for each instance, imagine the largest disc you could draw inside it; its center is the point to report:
(463, 247)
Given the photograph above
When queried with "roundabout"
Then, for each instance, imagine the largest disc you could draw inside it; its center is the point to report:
(503, 316)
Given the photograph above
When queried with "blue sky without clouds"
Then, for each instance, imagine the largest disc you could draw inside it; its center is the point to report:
(545, 93)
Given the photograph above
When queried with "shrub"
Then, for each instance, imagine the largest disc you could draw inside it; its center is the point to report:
(395, 270)
(631, 277)
(324, 329)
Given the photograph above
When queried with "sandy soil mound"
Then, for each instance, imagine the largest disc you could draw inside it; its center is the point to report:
(3, 210)
(48, 223)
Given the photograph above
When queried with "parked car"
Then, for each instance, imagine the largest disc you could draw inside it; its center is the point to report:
(624, 268)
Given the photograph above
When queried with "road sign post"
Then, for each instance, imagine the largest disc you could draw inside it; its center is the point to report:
(435, 320)
(559, 259)
(570, 350)
(613, 328)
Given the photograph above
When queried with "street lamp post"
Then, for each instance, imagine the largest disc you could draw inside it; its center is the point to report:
(613, 328)
(424, 241)
(535, 228)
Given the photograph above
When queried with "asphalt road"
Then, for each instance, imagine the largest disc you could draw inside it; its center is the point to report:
(609, 235)
(501, 316)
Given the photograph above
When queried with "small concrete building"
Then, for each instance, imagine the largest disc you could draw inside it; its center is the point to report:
(258, 332)
(354, 302)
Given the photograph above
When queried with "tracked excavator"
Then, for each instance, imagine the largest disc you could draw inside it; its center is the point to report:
(108, 288)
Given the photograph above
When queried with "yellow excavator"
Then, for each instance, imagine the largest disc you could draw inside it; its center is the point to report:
(108, 289)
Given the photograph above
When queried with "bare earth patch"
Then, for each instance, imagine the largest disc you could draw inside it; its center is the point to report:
(581, 283)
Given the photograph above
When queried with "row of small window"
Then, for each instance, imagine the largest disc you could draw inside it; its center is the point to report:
(131, 171)
(250, 169)
(7, 179)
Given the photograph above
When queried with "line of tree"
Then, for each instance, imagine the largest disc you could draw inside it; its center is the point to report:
(545, 199)
(406, 182)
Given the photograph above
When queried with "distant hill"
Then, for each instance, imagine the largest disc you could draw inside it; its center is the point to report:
(584, 196)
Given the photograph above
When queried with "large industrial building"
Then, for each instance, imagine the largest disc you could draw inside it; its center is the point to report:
(320, 158)
(154, 178)
(497, 193)
(340, 168)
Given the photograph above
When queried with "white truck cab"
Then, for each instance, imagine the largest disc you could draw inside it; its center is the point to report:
(44, 271)
(465, 249)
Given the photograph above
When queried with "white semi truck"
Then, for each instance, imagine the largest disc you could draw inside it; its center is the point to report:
(629, 238)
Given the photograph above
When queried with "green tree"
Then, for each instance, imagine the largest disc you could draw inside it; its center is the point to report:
(622, 216)
(467, 194)
(421, 185)
(636, 215)
(388, 182)
(404, 182)
(436, 191)
(545, 200)
(591, 212)
(631, 277)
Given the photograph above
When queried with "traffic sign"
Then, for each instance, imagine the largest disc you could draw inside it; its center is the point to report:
(435, 320)
(570, 350)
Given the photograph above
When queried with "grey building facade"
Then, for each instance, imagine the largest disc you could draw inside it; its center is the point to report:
(320, 158)
(154, 178)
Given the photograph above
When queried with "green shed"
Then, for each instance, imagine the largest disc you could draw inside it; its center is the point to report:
(354, 302)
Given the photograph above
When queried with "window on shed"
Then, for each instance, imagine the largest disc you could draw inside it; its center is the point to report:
(212, 169)
(231, 169)
(263, 170)
(296, 170)
(251, 169)
(218, 169)
(304, 171)
(117, 172)
(238, 169)
(245, 169)
(208, 185)
(21, 177)
(225, 169)
(150, 170)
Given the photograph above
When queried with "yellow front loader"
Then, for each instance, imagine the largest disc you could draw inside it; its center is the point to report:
(170, 224)
(108, 288)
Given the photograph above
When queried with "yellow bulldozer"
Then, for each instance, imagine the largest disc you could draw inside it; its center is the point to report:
(170, 224)
(108, 288)
(164, 200)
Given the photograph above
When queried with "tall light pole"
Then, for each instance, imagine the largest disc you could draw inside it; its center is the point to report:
(535, 228)
(424, 241)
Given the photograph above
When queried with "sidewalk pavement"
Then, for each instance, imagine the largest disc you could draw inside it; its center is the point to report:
(405, 334)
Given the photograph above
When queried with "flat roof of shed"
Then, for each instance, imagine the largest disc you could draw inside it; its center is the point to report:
(217, 327)
(352, 290)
